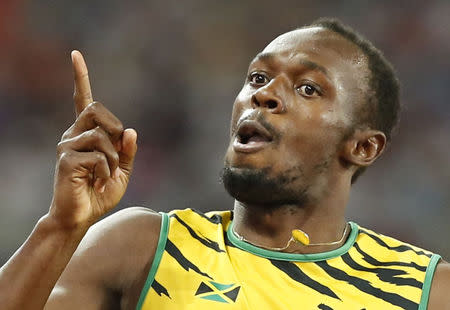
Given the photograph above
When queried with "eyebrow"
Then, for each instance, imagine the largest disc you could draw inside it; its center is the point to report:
(307, 63)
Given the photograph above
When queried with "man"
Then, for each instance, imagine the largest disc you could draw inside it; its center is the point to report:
(317, 108)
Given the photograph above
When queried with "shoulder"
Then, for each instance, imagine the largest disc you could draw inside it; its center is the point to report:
(137, 224)
(389, 248)
(434, 272)
(214, 217)
(117, 250)
(440, 288)
(128, 223)
(194, 219)
(133, 230)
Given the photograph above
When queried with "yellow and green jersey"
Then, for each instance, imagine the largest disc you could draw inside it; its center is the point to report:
(201, 264)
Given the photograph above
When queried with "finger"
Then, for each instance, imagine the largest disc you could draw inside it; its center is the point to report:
(101, 176)
(97, 163)
(92, 140)
(96, 115)
(84, 164)
(101, 169)
(128, 150)
(82, 88)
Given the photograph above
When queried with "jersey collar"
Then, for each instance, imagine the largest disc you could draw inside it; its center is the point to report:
(243, 245)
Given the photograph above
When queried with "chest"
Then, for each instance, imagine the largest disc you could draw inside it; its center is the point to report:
(234, 280)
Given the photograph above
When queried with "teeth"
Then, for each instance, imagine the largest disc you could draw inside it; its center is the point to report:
(244, 139)
(252, 132)
(256, 138)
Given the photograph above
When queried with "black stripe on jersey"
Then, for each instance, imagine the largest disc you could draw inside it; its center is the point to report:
(399, 248)
(205, 241)
(371, 260)
(159, 289)
(298, 275)
(324, 307)
(384, 274)
(215, 219)
(182, 260)
(366, 287)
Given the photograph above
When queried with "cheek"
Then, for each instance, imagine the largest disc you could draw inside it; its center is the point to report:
(310, 140)
(238, 109)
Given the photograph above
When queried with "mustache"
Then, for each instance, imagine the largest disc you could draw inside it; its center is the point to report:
(260, 118)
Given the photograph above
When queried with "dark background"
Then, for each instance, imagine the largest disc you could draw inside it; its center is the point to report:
(171, 69)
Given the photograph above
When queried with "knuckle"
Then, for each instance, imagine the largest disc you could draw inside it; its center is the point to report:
(89, 111)
(91, 139)
(120, 127)
(65, 159)
(67, 134)
(97, 134)
(99, 156)
(60, 147)
(96, 105)
(92, 110)
(116, 128)
(94, 133)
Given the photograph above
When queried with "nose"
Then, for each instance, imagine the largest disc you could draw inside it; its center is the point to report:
(268, 97)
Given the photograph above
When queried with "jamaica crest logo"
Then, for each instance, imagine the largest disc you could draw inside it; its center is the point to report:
(225, 293)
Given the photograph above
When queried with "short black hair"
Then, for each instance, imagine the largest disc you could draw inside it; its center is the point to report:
(382, 107)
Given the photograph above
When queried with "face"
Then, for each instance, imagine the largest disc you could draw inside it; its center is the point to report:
(292, 115)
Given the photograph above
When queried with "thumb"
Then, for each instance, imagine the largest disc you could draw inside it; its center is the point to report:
(128, 150)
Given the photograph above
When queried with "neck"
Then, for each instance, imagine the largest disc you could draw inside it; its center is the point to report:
(323, 221)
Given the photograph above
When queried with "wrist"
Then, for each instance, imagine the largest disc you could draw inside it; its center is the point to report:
(50, 224)
(65, 216)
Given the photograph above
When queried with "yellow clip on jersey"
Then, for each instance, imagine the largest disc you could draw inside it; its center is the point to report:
(200, 264)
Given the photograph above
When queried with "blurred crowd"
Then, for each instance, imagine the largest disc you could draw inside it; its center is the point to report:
(171, 70)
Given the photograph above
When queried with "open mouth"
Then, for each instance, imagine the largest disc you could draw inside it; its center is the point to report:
(251, 136)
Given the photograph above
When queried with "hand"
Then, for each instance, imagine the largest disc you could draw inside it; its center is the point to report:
(94, 158)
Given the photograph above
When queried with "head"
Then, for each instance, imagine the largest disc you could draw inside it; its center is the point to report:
(317, 107)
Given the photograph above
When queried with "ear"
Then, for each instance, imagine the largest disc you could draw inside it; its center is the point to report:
(364, 147)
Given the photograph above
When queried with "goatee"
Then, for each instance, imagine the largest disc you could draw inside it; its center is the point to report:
(259, 187)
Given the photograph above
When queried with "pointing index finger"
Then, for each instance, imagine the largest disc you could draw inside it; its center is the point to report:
(82, 88)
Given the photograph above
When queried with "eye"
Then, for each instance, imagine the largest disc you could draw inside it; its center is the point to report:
(256, 78)
(308, 90)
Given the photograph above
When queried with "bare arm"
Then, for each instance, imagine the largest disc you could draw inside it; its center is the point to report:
(109, 268)
(27, 278)
(94, 163)
(440, 288)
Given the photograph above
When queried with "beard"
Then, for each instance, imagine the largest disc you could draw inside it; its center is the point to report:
(260, 187)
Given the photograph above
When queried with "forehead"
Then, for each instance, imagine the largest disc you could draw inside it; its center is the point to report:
(315, 41)
(323, 48)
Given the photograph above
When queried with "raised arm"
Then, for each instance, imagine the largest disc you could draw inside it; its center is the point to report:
(94, 163)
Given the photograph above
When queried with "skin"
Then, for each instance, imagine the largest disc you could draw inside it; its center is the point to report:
(314, 144)
(313, 147)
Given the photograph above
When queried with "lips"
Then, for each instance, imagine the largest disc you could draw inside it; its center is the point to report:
(251, 136)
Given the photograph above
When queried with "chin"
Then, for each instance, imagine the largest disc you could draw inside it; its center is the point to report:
(259, 186)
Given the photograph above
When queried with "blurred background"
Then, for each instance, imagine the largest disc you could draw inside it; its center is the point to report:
(171, 69)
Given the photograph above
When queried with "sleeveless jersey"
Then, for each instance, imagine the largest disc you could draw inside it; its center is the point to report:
(201, 264)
